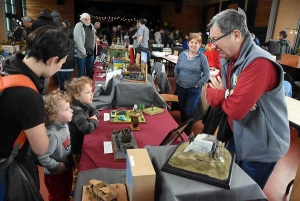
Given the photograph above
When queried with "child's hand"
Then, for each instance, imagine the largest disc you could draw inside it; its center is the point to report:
(93, 117)
(62, 168)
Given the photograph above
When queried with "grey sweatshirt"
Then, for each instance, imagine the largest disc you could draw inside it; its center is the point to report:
(59, 148)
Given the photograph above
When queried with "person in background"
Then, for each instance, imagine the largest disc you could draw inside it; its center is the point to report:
(22, 108)
(130, 34)
(185, 45)
(64, 74)
(44, 19)
(135, 40)
(203, 39)
(253, 102)
(157, 36)
(84, 120)
(278, 48)
(97, 26)
(191, 73)
(56, 18)
(255, 39)
(58, 160)
(27, 22)
(143, 32)
(85, 40)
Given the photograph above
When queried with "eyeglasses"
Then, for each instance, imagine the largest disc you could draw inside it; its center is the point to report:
(214, 41)
(87, 19)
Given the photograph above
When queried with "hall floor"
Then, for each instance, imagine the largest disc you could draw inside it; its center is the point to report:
(283, 173)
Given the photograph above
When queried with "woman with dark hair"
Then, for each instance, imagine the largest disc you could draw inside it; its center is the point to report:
(22, 108)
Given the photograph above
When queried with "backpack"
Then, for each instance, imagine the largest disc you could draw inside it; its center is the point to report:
(274, 47)
(15, 181)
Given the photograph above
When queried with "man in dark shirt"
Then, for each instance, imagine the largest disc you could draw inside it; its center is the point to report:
(22, 108)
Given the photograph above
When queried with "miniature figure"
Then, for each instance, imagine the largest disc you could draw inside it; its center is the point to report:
(191, 137)
(126, 137)
(135, 107)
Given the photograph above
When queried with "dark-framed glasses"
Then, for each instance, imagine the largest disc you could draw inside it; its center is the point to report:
(214, 41)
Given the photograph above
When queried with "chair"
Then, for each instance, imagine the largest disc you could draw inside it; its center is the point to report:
(174, 134)
(295, 85)
(169, 99)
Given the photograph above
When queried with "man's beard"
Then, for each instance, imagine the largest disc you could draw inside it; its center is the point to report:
(87, 24)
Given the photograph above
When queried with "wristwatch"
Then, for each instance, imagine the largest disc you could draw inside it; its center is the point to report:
(227, 93)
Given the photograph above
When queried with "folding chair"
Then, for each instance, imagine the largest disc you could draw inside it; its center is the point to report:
(174, 134)
(169, 98)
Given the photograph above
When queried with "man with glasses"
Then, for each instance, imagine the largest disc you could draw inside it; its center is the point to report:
(84, 38)
(250, 91)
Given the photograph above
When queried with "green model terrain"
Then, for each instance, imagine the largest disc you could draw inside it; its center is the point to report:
(202, 163)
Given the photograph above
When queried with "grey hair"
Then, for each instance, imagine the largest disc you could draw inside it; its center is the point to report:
(83, 16)
(229, 20)
(96, 23)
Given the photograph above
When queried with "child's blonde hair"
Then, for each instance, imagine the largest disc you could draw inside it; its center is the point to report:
(52, 103)
(76, 86)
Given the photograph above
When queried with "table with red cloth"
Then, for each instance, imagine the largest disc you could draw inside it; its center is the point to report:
(152, 133)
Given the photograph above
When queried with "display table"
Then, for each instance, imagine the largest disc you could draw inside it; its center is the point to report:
(152, 133)
(170, 187)
(293, 107)
(125, 94)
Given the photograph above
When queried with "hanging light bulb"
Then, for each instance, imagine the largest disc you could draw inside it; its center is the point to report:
(296, 31)
(291, 31)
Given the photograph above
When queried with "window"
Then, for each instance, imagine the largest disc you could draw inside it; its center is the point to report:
(12, 16)
(24, 10)
(10, 6)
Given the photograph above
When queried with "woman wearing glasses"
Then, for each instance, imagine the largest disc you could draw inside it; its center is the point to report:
(191, 73)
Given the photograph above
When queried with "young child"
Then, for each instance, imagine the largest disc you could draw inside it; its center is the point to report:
(58, 160)
(85, 118)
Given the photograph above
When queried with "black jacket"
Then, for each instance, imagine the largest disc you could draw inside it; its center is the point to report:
(80, 124)
(43, 19)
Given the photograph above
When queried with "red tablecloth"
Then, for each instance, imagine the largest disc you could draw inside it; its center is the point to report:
(152, 133)
(97, 71)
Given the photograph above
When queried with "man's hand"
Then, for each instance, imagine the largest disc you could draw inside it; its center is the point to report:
(216, 83)
(84, 55)
(93, 117)
(253, 107)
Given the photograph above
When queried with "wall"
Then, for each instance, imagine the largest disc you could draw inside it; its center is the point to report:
(189, 19)
(287, 17)
(66, 10)
(263, 10)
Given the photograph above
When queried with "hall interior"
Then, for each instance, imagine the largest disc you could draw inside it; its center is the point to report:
(262, 21)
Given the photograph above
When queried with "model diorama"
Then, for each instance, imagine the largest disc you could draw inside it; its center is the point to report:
(122, 115)
(135, 73)
(121, 141)
(202, 159)
(153, 110)
(97, 190)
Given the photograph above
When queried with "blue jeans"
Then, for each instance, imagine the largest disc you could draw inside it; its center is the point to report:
(188, 99)
(62, 77)
(258, 171)
(85, 66)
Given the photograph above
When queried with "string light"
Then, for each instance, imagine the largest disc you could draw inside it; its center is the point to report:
(110, 19)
